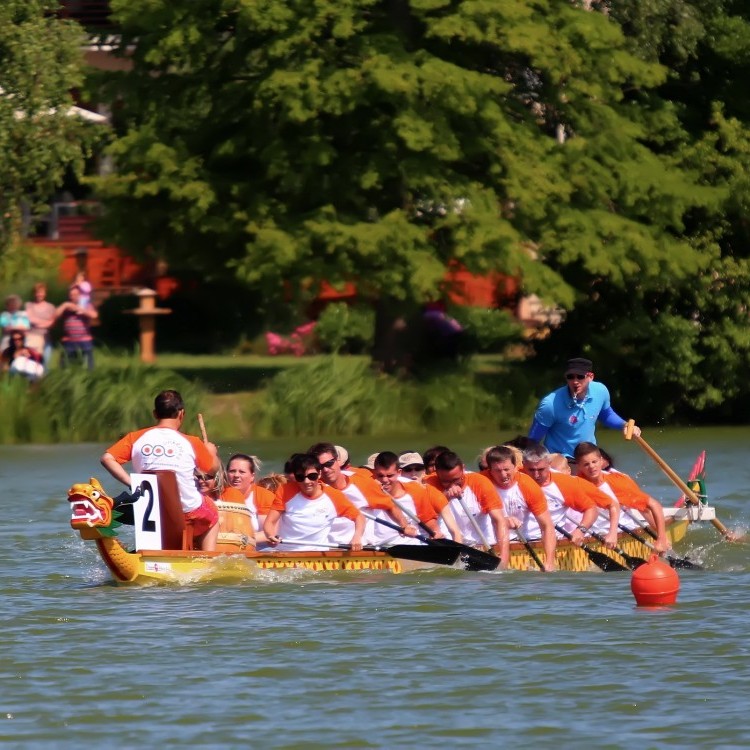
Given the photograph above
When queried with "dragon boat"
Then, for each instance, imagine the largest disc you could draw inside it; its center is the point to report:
(163, 550)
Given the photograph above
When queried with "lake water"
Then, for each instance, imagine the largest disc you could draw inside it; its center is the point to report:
(370, 660)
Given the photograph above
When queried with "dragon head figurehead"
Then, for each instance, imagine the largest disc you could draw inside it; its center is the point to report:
(92, 508)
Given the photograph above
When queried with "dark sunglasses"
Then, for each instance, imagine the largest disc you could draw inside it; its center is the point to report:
(205, 477)
(328, 464)
(413, 467)
(312, 476)
(574, 376)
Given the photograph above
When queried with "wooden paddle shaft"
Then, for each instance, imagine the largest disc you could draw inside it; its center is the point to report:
(202, 424)
(692, 498)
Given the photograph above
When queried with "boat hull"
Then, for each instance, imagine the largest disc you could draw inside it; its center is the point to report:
(184, 566)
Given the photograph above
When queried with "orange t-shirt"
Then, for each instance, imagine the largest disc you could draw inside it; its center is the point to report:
(626, 490)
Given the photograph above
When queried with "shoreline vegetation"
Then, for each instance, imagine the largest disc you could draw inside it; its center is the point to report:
(245, 396)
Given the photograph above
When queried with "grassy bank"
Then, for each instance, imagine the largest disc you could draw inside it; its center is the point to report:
(255, 396)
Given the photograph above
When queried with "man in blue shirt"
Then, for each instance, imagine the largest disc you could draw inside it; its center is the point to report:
(568, 415)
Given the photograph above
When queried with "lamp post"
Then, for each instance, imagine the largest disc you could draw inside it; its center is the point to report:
(147, 312)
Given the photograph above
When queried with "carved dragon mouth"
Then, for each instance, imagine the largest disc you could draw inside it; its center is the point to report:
(83, 511)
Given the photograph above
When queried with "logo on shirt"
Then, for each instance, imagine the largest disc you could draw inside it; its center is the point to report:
(573, 419)
(158, 451)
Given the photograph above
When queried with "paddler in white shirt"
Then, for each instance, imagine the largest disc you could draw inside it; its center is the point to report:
(573, 502)
(474, 503)
(414, 498)
(366, 494)
(524, 502)
(304, 511)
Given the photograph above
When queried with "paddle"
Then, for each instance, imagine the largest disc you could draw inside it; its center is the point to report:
(692, 499)
(473, 559)
(599, 559)
(674, 560)
(529, 549)
(416, 552)
(631, 561)
(202, 425)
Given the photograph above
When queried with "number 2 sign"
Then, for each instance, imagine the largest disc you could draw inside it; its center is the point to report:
(146, 512)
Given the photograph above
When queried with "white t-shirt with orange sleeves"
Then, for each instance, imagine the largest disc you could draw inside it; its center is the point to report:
(479, 497)
(568, 498)
(365, 493)
(630, 496)
(259, 501)
(165, 449)
(417, 501)
(523, 500)
(310, 520)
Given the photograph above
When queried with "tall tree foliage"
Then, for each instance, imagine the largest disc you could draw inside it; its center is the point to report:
(382, 140)
(684, 345)
(40, 62)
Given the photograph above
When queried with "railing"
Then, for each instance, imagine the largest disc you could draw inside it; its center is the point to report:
(90, 13)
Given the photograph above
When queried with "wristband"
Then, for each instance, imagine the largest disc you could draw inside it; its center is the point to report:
(583, 529)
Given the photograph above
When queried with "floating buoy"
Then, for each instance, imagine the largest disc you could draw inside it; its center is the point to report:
(655, 584)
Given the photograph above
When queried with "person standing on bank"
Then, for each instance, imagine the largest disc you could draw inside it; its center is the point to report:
(568, 415)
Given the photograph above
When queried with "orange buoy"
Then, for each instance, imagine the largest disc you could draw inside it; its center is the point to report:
(655, 583)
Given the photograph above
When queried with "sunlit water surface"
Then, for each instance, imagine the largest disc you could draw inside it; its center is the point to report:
(371, 660)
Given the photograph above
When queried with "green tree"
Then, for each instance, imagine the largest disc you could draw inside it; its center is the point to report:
(681, 346)
(40, 60)
(382, 140)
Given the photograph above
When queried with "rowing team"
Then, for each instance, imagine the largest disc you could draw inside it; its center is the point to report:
(322, 501)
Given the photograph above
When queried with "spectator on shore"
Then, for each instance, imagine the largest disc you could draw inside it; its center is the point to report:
(20, 359)
(13, 318)
(76, 321)
(41, 315)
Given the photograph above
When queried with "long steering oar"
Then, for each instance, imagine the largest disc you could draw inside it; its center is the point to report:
(416, 552)
(605, 562)
(674, 560)
(692, 498)
(473, 559)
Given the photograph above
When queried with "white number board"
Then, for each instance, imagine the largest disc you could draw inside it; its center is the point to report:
(146, 512)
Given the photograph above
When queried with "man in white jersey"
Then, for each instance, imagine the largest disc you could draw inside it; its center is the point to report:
(164, 448)
(365, 493)
(474, 503)
(524, 503)
(573, 502)
(415, 499)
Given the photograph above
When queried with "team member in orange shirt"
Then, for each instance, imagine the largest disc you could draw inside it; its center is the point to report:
(573, 502)
(474, 492)
(621, 487)
(305, 510)
(241, 471)
(524, 503)
(422, 502)
(363, 492)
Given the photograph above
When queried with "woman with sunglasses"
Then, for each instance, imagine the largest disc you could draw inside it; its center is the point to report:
(568, 415)
(304, 510)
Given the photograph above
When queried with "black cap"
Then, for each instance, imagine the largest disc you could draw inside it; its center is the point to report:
(579, 366)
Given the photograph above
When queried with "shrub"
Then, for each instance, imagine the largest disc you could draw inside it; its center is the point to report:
(345, 396)
(348, 328)
(488, 329)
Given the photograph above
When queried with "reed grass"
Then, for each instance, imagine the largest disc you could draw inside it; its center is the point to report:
(345, 396)
(75, 405)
